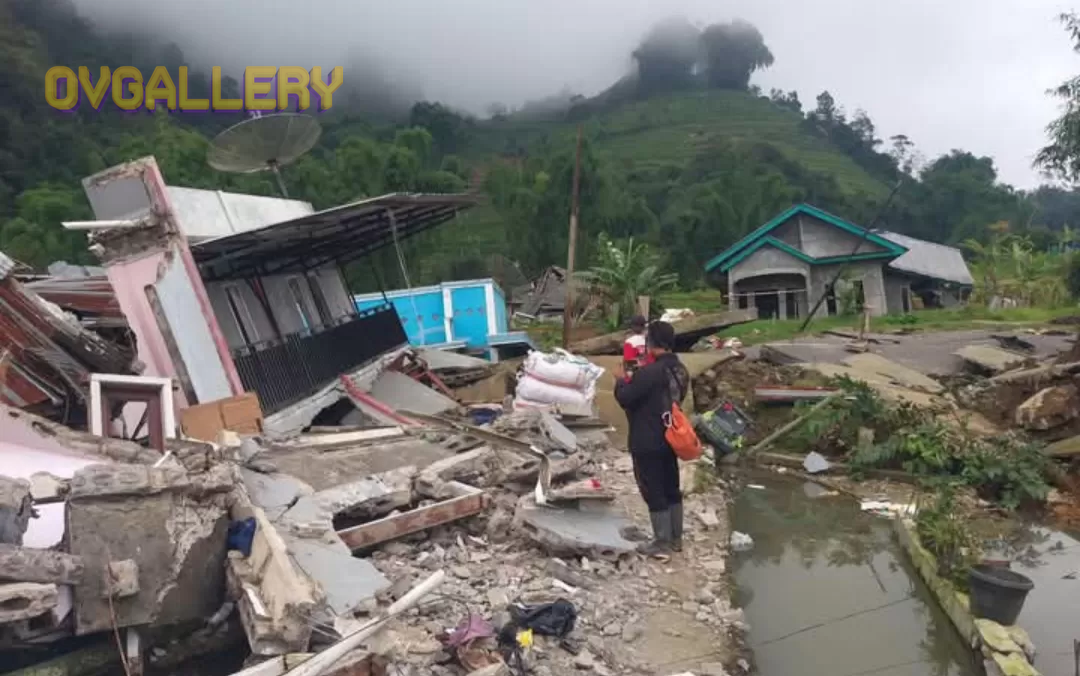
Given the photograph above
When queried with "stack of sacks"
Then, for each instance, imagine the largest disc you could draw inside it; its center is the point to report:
(556, 379)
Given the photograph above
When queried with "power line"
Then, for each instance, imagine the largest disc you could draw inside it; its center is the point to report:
(826, 623)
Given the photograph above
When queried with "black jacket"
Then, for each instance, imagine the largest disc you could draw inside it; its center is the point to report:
(649, 395)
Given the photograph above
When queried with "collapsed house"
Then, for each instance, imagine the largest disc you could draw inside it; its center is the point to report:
(229, 293)
(787, 266)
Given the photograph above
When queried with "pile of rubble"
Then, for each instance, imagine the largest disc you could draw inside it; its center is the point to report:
(296, 545)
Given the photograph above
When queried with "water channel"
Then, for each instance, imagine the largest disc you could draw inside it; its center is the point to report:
(828, 592)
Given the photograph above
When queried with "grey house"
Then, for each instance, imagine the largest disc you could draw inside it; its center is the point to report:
(784, 267)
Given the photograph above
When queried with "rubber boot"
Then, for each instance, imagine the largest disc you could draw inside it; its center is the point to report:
(676, 527)
(660, 547)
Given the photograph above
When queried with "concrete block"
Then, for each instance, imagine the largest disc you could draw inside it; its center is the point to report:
(15, 509)
(173, 525)
(123, 578)
(26, 600)
(594, 532)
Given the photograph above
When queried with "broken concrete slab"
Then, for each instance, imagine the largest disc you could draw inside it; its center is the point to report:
(15, 509)
(172, 523)
(402, 393)
(275, 599)
(274, 493)
(445, 359)
(326, 470)
(39, 565)
(882, 384)
(558, 432)
(346, 581)
(990, 360)
(328, 441)
(1049, 408)
(590, 531)
(26, 600)
(371, 496)
(901, 375)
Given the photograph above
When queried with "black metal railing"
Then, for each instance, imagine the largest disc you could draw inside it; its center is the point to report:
(285, 371)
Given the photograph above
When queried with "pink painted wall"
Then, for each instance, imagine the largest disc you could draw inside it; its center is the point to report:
(129, 279)
(23, 452)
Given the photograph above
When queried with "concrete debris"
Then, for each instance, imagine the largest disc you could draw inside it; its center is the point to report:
(469, 502)
(169, 521)
(1049, 408)
(346, 582)
(26, 600)
(990, 360)
(402, 393)
(741, 542)
(591, 530)
(15, 509)
(39, 565)
(894, 372)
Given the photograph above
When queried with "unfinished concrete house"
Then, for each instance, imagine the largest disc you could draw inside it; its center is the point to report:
(230, 293)
(785, 267)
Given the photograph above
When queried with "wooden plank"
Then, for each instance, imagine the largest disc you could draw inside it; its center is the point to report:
(392, 527)
(24, 564)
(687, 329)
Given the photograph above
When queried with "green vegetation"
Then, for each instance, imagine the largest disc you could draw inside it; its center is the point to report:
(1005, 469)
(947, 535)
(684, 156)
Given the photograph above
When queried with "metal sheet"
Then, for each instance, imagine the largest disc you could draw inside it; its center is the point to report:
(402, 393)
(192, 334)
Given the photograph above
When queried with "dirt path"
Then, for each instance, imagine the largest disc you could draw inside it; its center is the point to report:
(689, 623)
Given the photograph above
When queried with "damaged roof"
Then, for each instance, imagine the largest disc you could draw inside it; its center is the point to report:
(46, 356)
(929, 259)
(342, 233)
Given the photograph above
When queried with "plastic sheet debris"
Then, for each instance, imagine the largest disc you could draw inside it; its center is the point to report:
(887, 508)
(815, 463)
(741, 542)
(549, 619)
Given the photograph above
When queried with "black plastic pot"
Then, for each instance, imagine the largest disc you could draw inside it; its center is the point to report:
(998, 593)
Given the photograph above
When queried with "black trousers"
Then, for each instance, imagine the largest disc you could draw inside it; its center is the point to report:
(657, 476)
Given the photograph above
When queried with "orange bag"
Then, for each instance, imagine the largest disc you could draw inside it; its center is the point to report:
(680, 434)
(678, 431)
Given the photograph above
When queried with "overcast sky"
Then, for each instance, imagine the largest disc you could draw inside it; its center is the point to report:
(968, 74)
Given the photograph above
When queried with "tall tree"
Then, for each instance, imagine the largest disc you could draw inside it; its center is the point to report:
(666, 56)
(733, 51)
(1061, 157)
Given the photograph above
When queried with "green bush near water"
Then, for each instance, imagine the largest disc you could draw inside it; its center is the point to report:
(1005, 469)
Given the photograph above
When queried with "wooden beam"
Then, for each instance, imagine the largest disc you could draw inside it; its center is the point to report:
(392, 527)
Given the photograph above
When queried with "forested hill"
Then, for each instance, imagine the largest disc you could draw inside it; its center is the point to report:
(684, 153)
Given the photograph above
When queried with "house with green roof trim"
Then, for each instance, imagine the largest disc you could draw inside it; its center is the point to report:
(785, 266)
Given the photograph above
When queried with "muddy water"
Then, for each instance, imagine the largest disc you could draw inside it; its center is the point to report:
(1051, 558)
(827, 592)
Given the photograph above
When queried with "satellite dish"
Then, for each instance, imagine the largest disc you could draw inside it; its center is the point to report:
(264, 143)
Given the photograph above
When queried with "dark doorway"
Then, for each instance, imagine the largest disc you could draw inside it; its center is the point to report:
(830, 299)
(905, 299)
(768, 305)
(792, 305)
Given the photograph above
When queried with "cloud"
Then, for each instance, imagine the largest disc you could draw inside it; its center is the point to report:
(968, 74)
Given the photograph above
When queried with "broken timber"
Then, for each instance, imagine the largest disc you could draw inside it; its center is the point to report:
(471, 502)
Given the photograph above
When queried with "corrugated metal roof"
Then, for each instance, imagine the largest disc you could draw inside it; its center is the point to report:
(929, 259)
(342, 233)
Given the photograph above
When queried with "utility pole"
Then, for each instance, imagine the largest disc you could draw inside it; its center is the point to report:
(571, 250)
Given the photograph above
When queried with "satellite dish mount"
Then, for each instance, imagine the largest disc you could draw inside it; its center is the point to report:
(264, 143)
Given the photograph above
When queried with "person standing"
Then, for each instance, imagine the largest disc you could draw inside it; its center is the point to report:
(647, 396)
(635, 353)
